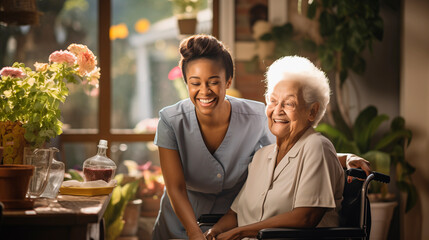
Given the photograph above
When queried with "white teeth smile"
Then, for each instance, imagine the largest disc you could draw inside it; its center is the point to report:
(206, 100)
(280, 121)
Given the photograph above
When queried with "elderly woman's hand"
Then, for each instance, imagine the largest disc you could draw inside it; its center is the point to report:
(211, 234)
(354, 161)
(237, 233)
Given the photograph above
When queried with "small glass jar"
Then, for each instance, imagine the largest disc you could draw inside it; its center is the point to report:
(99, 167)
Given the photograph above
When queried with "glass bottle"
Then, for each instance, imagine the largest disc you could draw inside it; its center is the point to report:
(99, 167)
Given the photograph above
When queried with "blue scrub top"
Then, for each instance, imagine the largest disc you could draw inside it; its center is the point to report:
(212, 180)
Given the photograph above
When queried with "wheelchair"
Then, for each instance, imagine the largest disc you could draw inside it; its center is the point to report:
(355, 214)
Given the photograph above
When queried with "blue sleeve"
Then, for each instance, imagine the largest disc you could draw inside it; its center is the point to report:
(165, 136)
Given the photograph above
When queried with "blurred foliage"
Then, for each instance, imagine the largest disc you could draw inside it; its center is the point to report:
(121, 195)
(347, 28)
(362, 140)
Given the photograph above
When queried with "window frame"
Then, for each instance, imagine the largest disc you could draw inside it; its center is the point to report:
(104, 130)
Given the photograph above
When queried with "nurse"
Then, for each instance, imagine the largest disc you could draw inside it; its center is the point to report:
(206, 141)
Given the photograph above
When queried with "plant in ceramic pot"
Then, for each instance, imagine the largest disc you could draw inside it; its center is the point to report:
(14, 181)
(31, 99)
(186, 13)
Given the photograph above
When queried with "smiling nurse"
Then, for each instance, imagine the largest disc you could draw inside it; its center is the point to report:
(206, 141)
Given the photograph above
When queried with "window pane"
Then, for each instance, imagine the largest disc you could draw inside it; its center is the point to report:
(60, 24)
(77, 153)
(145, 44)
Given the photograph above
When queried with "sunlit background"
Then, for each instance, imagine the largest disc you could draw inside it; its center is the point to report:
(144, 48)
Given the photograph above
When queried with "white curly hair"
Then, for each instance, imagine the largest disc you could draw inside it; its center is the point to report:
(315, 84)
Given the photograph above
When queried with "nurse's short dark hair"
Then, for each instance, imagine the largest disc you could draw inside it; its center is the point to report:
(205, 46)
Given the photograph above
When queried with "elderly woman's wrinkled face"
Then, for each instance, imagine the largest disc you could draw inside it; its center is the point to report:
(286, 110)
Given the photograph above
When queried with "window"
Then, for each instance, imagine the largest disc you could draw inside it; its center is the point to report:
(136, 44)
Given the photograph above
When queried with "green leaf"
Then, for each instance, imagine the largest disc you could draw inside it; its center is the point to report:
(380, 161)
(361, 123)
(398, 123)
(369, 132)
(75, 175)
(338, 139)
(392, 137)
(112, 210)
(121, 195)
(329, 131)
(115, 229)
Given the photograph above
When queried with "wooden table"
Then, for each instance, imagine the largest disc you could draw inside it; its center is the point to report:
(66, 217)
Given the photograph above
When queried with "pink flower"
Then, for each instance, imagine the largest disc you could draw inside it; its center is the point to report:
(77, 49)
(87, 62)
(94, 75)
(175, 73)
(62, 57)
(12, 72)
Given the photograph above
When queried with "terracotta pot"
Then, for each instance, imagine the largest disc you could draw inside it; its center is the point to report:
(187, 26)
(14, 181)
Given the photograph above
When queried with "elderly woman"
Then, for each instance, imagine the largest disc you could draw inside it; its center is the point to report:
(298, 181)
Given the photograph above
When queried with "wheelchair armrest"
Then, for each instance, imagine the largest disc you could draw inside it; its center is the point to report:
(209, 219)
(311, 233)
(359, 173)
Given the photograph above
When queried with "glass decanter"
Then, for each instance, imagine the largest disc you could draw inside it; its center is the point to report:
(99, 167)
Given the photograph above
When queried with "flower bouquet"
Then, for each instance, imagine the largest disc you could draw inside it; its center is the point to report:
(30, 100)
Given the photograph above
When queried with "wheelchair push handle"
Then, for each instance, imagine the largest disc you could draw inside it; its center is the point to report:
(359, 173)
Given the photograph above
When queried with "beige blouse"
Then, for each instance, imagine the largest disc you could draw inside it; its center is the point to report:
(310, 175)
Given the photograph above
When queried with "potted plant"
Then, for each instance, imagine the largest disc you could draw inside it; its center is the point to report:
(384, 152)
(30, 99)
(186, 14)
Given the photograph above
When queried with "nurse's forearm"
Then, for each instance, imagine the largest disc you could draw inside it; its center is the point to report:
(183, 209)
(176, 189)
